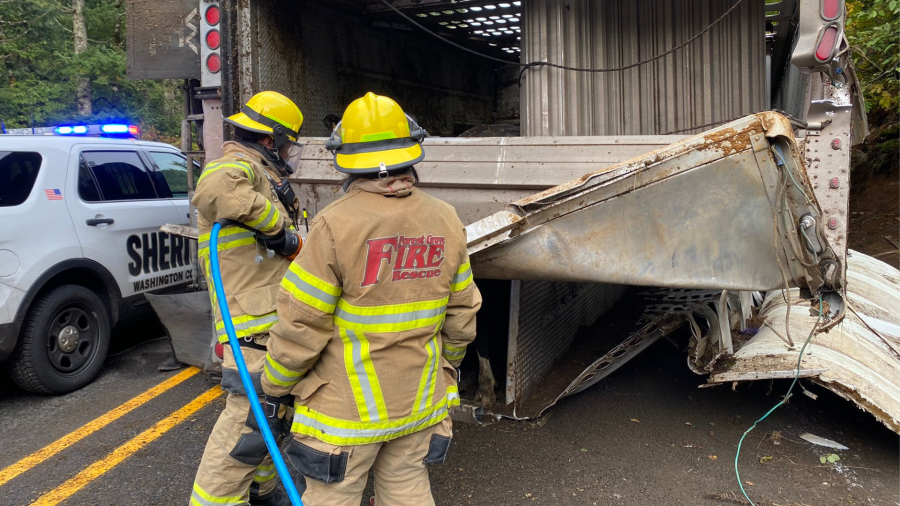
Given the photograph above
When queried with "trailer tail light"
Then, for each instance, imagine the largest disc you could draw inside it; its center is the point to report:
(825, 47)
(211, 47)
(820, 35)
(831, 9)
(213, 39)
(214, 63)
(212, 15)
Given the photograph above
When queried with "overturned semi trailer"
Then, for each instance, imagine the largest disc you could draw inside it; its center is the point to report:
(662, 190)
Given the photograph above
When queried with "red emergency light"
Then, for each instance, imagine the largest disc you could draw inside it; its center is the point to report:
(831, 9)
(212, 15)
(213, 39)
(214, 63)
(825, 47)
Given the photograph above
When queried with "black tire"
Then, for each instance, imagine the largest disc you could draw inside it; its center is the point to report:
(63, 342)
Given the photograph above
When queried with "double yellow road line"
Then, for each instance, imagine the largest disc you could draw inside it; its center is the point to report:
(121, 453)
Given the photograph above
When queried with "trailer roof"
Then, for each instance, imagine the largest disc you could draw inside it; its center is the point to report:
(494, 27)
(491, 27)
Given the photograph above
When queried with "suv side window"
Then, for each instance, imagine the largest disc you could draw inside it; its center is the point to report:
(119, 175)
(18, 172)
(87, 185)
(173, 168)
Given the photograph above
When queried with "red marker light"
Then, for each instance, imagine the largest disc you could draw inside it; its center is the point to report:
(831, 9)
(134, 131)
(214, 63)
(213, 39)
(826, 44)
(220, 350)
(212, 15)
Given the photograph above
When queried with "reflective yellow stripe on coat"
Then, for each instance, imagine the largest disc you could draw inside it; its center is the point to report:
(310, 290)
(462, 278)
(229, 237)
(350, 433)
(213, 167)
(390, 318)
(453, 354)
(363, 379)
(266, 220)
(247, 325)
(279, 374)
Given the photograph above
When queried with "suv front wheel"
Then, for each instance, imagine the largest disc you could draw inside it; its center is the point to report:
(63, 343)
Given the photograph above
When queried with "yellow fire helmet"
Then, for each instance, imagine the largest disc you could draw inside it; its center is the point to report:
(272, 113)
(375, 136)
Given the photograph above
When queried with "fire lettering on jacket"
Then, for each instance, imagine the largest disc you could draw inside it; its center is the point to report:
(409, 257)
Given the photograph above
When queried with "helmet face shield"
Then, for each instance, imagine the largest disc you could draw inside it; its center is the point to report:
(292, 153)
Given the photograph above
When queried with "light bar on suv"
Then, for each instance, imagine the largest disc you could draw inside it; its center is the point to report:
(102, 130)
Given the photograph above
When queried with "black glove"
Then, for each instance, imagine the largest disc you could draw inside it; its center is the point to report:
(285, 242)
(272, 409)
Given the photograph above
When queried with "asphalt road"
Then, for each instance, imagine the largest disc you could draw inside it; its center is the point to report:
(645, 436)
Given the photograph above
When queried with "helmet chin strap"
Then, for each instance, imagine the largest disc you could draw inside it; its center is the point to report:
(270, 155)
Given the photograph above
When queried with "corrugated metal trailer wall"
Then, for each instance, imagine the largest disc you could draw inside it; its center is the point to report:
(716, 78)
(323, 55)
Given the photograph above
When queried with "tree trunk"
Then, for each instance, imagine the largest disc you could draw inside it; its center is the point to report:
(79, 28)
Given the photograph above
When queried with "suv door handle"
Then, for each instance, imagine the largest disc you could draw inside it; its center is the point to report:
(93, 222)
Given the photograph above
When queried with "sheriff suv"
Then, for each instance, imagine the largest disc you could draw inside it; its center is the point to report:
(80, 245)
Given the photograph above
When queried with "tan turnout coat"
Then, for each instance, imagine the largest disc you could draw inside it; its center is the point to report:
(235, 187)
(374, 315)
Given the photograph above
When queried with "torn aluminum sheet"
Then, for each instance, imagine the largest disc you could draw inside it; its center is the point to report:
(187, 318)
(858, 358)
(821, 441)
(718, 210)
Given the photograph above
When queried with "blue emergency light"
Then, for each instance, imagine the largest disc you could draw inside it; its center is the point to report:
(69, 130)
(102, 130)
(114, 128)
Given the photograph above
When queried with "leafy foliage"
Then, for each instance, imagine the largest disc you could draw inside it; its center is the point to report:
(37, 51)
(873, 29)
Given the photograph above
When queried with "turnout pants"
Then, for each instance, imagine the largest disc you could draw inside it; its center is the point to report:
(235, 463)
(337, 475)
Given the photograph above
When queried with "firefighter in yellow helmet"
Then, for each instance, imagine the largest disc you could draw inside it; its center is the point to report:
(247, 186)
(375, 314)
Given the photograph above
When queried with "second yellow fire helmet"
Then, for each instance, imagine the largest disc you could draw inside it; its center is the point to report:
(375, 136)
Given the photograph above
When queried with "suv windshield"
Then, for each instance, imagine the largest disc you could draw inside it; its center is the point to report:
(18, 171)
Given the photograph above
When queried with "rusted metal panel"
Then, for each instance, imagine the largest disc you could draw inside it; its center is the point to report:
(716, 78)
(701, 213)
(480, 175)
(163, 39)
(859, 358)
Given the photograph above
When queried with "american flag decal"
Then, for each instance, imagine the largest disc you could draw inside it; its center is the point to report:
(53, 194)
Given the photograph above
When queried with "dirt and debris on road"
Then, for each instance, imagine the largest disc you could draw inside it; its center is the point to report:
(681, 452)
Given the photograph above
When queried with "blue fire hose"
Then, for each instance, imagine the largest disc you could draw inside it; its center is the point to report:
(272, 446)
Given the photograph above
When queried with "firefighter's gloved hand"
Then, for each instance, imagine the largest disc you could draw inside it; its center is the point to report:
(272, 407)
(286, 243)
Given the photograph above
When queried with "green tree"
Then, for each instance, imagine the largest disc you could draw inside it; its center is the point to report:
(43, 69)
(873, 29)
